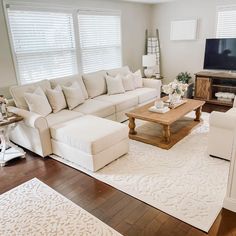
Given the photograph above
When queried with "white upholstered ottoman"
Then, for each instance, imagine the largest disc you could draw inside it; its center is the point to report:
(90, 141)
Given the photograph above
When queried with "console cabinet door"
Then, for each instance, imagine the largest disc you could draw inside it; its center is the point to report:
(203, 88)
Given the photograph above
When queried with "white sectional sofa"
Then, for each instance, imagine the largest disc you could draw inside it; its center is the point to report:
(38, 133)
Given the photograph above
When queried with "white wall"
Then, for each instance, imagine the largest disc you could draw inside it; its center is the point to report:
(177, 56)
(136, 19)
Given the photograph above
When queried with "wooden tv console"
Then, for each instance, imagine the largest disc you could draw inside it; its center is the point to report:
(209, 83)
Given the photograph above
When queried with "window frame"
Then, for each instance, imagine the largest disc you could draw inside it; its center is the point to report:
(221, 8)
(57, 8)
(100, 12)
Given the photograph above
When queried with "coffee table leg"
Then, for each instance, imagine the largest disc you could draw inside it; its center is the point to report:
(198, 114)
(166, 133)
(132, 125)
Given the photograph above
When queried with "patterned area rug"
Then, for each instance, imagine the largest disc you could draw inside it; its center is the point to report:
(183, 181)
(33, 208)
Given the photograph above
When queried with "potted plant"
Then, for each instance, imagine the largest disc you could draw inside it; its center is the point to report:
(186, 78)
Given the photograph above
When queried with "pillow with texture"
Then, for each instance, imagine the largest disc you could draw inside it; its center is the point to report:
(38, 102)
(56, 99)
(74, 95)
(114, 85)
(128, 82)
(138, 79)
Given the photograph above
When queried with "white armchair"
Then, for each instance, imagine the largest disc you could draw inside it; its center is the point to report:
(221, 134)
(32, 133)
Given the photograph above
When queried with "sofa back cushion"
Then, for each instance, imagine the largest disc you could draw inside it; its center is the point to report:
(38, 102)
(122, 71)
(18, 92)
(68, 81)
(95, 83)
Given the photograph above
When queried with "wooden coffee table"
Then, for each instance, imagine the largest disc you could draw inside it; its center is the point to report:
(166, 120)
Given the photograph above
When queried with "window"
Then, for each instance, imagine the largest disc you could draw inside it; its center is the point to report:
(44, 44)
(100, 40)
(226, 25)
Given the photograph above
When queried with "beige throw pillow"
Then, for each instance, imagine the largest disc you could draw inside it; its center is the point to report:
(128, 82)
(38, 102)
(74, 95)
(138, 80)
(114, 85)
(56, 99)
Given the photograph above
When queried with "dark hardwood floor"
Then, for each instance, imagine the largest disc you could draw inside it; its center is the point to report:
(122, 212)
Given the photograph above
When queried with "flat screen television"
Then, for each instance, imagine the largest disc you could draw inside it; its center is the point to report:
(220, 54)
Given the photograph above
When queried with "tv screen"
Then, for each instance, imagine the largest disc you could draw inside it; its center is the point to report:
(220, 54)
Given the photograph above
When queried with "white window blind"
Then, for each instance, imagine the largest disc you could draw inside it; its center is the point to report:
(44, 44)
(226, 24)
(100, 41)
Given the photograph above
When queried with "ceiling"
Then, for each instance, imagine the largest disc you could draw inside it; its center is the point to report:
(148, 1)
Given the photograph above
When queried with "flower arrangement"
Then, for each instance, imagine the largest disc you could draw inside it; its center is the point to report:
(175, 90)
(175, 87)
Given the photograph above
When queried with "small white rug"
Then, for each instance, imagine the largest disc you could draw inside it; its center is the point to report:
(183, 181)
(33, 208)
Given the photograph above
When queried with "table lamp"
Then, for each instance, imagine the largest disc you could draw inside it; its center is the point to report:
(149, 61)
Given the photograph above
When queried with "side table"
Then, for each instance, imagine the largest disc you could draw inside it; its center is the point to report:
(8, 150)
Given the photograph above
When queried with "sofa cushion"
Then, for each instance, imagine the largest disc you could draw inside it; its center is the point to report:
(74, 95)
(114, 85)
(122, 71)
(56, 99)
(144, 94)
(95, 83)
(231, 111)
(121, 101)
(128, 82)
(38, 102)
(62, 116)
(96, 107)
(18, 92)
(90, 134)
(69, 80)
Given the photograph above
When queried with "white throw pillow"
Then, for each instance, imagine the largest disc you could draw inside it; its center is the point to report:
(114, 85)
(128, 82)
(138, 80)
(38, 102)
(56, 99)
(74, 95)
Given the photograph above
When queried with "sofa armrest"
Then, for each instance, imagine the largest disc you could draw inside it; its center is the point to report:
(222, 120)
(31, 119)
(152, 83)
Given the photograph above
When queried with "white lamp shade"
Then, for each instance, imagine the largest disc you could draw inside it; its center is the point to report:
(149, 60)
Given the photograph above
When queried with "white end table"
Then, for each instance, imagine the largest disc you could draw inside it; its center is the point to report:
(8, 150)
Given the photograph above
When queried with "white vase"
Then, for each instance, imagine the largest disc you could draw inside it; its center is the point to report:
(174, 98)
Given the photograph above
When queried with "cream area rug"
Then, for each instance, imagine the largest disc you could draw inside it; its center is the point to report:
(183, 181)
(33, 208)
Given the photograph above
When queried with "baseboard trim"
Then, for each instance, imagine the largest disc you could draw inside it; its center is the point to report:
(230, 204)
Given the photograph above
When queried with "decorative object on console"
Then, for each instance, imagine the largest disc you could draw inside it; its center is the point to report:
(224, 96)
(3, 107)
(149, 61)
(175, 90)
